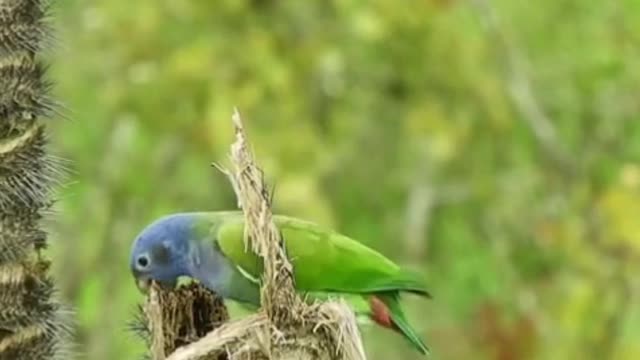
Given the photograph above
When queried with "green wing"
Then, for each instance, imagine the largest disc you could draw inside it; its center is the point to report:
(323, 260)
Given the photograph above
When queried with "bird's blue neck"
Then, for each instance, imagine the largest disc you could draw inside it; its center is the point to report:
(219, 274)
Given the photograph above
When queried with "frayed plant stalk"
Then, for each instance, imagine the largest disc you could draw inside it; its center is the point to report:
(33, 324)
(278, 297)
(157, 322)
(286, 327)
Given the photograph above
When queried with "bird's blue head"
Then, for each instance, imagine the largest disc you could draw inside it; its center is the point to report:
(161, 251)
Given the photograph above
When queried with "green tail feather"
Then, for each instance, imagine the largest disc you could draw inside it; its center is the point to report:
(392, 302)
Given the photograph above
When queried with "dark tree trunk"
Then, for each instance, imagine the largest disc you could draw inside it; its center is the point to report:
(33, 324)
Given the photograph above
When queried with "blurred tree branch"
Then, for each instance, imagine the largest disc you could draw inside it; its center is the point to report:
(423, 199)
(519, 86)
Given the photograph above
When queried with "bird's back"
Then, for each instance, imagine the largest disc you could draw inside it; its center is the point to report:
(323, 260)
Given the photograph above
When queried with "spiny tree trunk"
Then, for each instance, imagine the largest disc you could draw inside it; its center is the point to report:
(33, 324)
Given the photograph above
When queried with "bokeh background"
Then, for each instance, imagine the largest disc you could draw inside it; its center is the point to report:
(492, 144)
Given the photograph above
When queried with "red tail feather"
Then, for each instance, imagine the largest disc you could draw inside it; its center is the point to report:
(380, 313)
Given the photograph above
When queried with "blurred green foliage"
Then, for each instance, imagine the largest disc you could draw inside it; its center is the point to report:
(399, 123)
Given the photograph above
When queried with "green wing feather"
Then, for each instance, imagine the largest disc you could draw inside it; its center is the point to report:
(323, 260)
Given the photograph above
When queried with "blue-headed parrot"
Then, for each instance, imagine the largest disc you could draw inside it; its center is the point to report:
(209, 247)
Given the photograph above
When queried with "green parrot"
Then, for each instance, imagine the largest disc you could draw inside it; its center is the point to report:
(209, 247)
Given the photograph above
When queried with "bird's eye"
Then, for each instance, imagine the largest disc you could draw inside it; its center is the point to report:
(143, 261)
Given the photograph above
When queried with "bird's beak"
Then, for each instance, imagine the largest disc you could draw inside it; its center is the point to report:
(143, 284)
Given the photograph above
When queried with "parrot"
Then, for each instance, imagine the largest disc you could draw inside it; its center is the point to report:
(210, 248)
